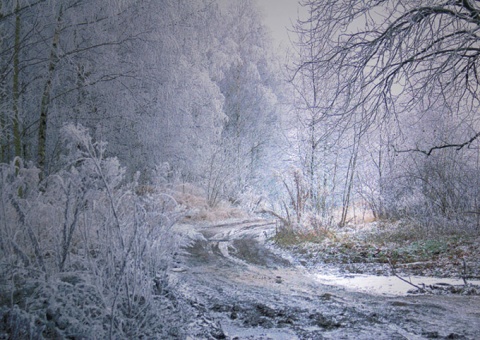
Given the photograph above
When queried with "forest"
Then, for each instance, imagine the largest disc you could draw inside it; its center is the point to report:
(121, 119)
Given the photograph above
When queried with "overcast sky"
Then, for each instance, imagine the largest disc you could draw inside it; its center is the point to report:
(279, 16)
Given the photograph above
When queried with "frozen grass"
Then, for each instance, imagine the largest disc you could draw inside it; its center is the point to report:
(85, 254)
(194, 200)
(413, 251)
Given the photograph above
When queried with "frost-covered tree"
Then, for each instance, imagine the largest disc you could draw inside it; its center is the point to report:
(184, 106)
(136, 72)
(248, 75)
(389, 57)
(54, 56)
(164, 81)
(393, 66)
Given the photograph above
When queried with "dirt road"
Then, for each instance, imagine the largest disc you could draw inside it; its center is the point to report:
(241, 289)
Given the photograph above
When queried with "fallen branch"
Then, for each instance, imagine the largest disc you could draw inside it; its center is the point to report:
(394, 272)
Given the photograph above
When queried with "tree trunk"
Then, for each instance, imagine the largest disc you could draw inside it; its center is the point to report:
(42, 129)
(349, 182)
(3, 115)
(4, 131)
(17, 142)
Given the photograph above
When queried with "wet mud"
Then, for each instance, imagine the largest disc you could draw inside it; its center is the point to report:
(242, 289)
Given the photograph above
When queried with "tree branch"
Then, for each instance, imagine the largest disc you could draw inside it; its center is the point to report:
(445, 146)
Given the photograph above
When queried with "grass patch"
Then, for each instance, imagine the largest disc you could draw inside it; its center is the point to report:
(428, 253)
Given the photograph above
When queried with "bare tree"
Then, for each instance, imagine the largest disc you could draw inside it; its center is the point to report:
(388, 58)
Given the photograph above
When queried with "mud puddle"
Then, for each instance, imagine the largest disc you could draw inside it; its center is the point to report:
(389, 285)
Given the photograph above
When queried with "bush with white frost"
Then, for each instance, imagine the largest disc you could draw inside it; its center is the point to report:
(82, 255)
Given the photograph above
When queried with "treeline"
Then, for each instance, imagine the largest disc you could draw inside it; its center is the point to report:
(183, 82)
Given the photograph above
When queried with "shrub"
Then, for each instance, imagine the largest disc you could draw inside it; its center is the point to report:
(82, 255)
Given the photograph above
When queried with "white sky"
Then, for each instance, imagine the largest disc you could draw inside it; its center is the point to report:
(279, 16)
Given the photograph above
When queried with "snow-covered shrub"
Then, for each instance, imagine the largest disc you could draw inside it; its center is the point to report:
(81, 254)
(437, 193)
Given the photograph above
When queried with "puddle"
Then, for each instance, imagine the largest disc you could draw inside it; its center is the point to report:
(384, 285)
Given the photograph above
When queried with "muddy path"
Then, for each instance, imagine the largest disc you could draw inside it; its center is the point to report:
(242, 289)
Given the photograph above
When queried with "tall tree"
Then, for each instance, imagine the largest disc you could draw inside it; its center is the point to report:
(45, 101)
(16, 86)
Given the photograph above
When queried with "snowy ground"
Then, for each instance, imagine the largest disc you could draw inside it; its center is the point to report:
(242, 287)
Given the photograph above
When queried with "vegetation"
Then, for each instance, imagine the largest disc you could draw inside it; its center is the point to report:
(379, 122)
(387, 110)
(83, 256)
(382, 248)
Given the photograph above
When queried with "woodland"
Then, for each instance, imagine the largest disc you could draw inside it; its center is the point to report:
(121, 118)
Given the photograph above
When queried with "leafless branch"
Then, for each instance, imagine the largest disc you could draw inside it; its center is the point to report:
(444, 146)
